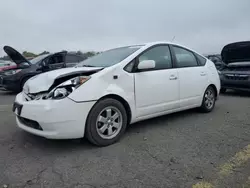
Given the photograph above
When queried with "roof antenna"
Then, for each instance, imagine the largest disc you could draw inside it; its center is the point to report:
(173, 39)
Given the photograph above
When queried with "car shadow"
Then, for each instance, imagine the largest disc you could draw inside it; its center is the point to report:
(62, 146)
(160, 121)
(5, 93)
(30, 141)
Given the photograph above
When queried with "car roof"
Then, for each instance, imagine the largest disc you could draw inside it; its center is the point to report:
(171, 43)
(165, 42)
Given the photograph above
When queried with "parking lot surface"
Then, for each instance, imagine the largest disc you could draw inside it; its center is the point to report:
(186, 149)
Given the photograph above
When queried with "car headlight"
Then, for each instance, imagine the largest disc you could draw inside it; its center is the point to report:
(11, 72)
(64, 89)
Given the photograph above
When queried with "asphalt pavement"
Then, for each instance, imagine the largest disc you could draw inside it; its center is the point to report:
(181, 150)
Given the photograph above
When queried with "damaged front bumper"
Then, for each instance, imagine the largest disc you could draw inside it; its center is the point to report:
(54, 119)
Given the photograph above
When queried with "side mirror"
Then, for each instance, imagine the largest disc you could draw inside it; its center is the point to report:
(146, 64)
(24, 65)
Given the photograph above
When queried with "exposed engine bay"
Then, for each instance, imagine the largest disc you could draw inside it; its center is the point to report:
(61, 87)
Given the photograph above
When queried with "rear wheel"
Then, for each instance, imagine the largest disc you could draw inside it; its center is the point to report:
(106, 122)
(208, 100)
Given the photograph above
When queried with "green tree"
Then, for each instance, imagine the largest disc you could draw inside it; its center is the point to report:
(44, 52)
(29, 54)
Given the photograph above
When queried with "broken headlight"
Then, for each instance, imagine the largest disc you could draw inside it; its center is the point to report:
(12, 72)
(64, 89)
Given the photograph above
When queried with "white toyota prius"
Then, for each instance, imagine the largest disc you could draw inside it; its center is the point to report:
(99, 97)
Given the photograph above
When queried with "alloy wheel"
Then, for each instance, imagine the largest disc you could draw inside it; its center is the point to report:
(109, 122)
(209, 98)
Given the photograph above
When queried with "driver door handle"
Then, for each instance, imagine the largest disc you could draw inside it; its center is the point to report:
(173, 77)
(203, 74)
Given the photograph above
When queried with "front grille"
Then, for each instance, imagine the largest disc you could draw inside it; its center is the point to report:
(237, 77)
(29, 123)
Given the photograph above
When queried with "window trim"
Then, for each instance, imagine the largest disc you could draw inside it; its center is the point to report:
(136, 59)
(126, 66)
(199, 62)
(175, 60)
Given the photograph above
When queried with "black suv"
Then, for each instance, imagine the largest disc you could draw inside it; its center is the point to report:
(236, 74)
(14, 79)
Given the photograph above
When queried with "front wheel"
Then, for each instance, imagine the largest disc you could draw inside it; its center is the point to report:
(208, 102)
(106, 122)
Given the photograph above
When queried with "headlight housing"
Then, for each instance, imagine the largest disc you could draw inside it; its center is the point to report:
(64, 89)
(12, 72)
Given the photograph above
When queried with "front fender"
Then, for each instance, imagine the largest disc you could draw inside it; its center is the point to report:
(99, 87)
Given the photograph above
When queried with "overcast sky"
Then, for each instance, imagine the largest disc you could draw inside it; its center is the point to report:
(54, 25)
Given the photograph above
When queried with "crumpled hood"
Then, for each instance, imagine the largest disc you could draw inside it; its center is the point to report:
(236, 52)
(44, 81)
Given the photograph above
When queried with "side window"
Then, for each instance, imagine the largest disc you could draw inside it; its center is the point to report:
(184, 57)
(72, 59)
(129, 66)
(201, 60)
(160, 54)
(55, 59)
(80, 58)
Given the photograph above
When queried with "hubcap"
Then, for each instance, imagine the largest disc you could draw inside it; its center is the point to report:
(209, 99)
(109, 122)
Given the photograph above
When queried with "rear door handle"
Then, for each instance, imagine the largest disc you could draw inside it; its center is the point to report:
(203, 74)
(173, 77)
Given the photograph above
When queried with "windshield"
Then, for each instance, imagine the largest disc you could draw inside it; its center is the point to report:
(109, 57)
(38, 58)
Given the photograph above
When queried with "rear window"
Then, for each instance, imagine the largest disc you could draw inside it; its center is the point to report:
(185, 58)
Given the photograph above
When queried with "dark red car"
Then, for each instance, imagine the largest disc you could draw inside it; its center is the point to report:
(6, 67)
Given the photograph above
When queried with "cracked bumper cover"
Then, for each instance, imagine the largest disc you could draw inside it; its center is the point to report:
(59, 119)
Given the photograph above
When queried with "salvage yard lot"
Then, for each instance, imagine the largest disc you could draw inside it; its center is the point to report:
(180, 150)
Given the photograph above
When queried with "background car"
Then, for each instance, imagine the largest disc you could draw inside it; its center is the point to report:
(216, 59)
(101, 95)
(6, 66)
(14, 78)
(236, 75)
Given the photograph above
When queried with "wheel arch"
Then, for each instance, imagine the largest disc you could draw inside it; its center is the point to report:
(215, 89)
(121, 100)
(26, 76)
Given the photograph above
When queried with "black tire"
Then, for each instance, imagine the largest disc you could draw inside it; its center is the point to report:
(91, 131)
(205, 107)
(24, 80)
(223, 90)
